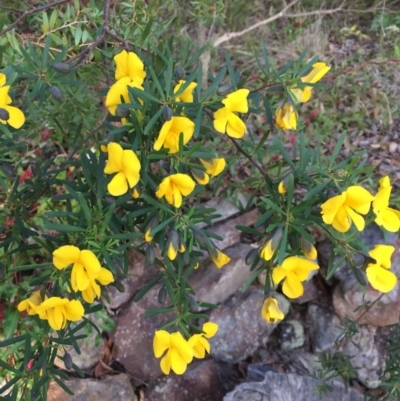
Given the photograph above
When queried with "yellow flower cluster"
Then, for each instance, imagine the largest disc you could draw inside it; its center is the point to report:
(344, 209)
(180, 352)
(86, 270)
(286, 114)
(57, 311)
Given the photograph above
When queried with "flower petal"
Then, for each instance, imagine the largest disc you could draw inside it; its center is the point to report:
(161, 342)
(330, 208)
(184, 183)
(292, 286)
(74, 310)
(65, 255)
(210, 329)
(359, 199)
(89, 260)
(105, 277)
(16, 116)
(237, 101)
(381, 279)
(131, 167)
(236, 127)
(358, 220)
(118, 185)
(114, 162)
(382, 254)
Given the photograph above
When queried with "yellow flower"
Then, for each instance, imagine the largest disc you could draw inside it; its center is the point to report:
(16, 117)
(219, 258)
(286, 116)
(378, 273)
(173, 187)
(225, 121)
(127, 166)
(59, 310)
(308, 249)
(129, 72)
(213, 166)
(179, 352)
(282, 188)
(118, 90)
(104, 277)
(171, 131)
(318, 71)
(129, 65)
(30, 304)
(85, 268)
(340, 210)
(198, 341)
(187, 95)
(135, 193)
(200, 176)
(385, 216)
(271, 312)
(293, 271)
(273, 240)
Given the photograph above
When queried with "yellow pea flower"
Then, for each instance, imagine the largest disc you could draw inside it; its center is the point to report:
(293, 271)
(93, 290)
(187, 95)
(200, 176)
(199, 342)
(174, 187)
(30, 304)
(219, 258)
(172, 244)
(286, 116)
(127, 166)
(317, 72)
(271, 244)
(171, 131)
(85, 265)
(225, 121)
(129, 65)
(385, 216)
(342, 210)
(60, 310)
(16, 118)
(179, 352)
(213, 166)
(378, 273)
(270, 311)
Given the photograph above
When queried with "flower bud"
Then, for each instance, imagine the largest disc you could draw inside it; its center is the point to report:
(224, 89)
(272, 243)
(180, 73)
(308, 249)
(193, 305)
(200, 176)
(67, 359)
(162, 295)
(150, 255)
(182, 245)
(4, 114)
(199, 237)
(64, 68)
(122, 112)
(167, 113)
(251, 256)
(172, 245)
(56, 93)
(361, 277)
(283, 185)
(153, 223)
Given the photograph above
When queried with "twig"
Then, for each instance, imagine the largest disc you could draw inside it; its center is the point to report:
(231, 35)
(362, 65)
(249, 157)
(30, 12)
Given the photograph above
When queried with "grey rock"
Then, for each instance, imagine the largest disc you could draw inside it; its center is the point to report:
(199, 383)
(241, 327)
(215, 285)
(291, 335)
(111, 388)
(323, 327)
(368, 359)
(290, 387)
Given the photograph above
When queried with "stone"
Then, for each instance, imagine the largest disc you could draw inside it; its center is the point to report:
(291, 335)
(290, 387)
(323, 326)
(241, 327)
(134, 337)
(110, 388)
(199, 383)
(213, 285)
(368, 359)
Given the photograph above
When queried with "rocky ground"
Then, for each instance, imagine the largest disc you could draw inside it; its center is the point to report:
(250, 360)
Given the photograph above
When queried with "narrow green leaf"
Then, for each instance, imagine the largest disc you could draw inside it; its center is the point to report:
(85, 209)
